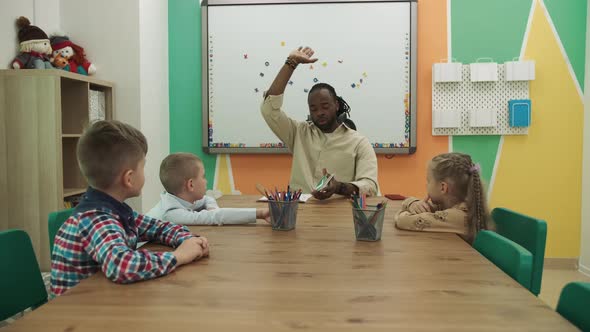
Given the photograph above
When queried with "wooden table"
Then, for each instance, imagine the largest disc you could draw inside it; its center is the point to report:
(314, 278)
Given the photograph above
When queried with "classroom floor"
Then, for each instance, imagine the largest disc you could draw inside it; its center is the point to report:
(553, 282)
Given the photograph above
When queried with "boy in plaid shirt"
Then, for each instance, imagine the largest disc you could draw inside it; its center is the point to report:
(103, 231)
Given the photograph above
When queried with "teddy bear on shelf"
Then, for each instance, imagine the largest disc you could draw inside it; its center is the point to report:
(34, 48)
(73, 53)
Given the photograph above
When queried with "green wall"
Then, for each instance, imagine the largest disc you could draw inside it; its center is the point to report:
(476, 33)
(184, 42)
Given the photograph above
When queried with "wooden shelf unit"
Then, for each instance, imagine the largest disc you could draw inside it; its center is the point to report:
(42, 116)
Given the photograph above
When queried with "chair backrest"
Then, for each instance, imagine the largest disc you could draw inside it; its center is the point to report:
(21, 283)
(56, 219)
(529, 232)
(509, 256)
(574, 303)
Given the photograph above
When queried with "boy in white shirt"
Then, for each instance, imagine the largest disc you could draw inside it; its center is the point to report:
(184, 201)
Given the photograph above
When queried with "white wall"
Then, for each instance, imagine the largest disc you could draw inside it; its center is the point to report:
(585, 240)
(153, 73)
(129, 46)
(109, 32)
(47, 15)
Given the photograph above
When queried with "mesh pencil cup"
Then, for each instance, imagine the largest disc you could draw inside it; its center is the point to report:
(368, 222)
(283, 215)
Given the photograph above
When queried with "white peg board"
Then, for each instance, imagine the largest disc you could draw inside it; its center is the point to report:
(467, 95)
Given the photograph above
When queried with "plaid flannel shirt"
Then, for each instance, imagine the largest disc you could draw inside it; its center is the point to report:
(102, 234)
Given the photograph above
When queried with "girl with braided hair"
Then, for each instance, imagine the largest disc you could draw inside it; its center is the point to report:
(455, 203)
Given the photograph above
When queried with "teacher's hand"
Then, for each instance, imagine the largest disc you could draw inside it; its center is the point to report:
(303, 55)
(330, 189)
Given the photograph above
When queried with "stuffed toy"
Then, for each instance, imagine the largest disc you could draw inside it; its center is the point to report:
(34, 48)
(60, 62)
(73, 53)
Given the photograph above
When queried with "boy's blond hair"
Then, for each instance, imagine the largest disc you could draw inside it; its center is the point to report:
(177, 168)
(106, 149)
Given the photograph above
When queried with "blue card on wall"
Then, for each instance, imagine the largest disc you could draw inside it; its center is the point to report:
(519, 112)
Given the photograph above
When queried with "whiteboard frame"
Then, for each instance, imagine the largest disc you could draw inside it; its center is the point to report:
(259, 150)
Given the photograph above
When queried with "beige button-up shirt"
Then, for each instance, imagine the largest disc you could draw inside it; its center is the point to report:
(345, 153)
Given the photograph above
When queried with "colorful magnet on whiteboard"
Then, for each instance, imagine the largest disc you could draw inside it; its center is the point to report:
(365, 74)
(261, 74)
(290, 82)
(255, 89)
(353, 85)
(267, 63)
(340, 61)
(361, 80)
(282, 43)
(315, 80)
(325, 64)
(305, 90)
(245, 56)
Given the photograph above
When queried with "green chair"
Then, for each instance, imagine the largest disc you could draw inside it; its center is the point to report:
(56, 219)
(510, 257)
(531, 233)
(21, 283)
(574, 304)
